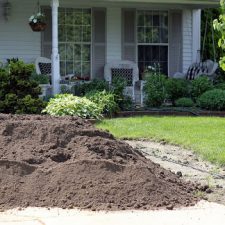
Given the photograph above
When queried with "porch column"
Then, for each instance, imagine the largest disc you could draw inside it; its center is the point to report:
(196, 35)
(187, 39)
(114, 32)
(55, 52)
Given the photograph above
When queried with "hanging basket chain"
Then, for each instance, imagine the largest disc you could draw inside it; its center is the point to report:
(37, 21)
(37, 8)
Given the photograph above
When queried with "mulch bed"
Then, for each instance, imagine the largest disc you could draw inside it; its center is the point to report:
(66, 162)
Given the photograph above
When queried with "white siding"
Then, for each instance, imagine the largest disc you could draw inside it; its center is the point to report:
(114, 32)
(17, 39)
(187, 39)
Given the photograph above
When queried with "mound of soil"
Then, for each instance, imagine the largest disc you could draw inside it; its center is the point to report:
(66, 162)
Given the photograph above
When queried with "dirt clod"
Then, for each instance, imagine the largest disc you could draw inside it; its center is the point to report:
(67, 162)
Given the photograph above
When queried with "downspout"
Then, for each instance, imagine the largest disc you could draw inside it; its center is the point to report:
(55, 52)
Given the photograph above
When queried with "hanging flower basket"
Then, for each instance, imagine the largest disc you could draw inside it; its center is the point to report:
(38, 27)
(38, 22)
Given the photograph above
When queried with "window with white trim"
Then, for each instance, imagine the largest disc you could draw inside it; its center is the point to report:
(152, 38)
(75, 41)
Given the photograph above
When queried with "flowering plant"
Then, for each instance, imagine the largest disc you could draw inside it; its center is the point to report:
(37, 18)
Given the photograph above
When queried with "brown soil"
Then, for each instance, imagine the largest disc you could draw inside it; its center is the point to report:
(66, 162)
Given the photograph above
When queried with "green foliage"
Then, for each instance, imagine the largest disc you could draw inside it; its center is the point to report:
(105, 100)
(65, 90)
(14, 60)
(199, 86)
(208, 15)
(19, 94)
(94, 85)
(155, 89)
(30, 105)
(220, 86)
(176, 88)
(9, 104)
(40, 78)
(212, 100)
(117, 88)
(184, 102)
(219, 25)
(26, 105)
(68, 104)
(126, 103)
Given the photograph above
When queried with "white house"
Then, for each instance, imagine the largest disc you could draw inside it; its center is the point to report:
(83, 35)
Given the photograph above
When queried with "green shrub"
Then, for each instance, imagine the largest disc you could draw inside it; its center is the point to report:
(126, 103)
(105, 100)
(177, 88)
(30, 105)
(199, 86)
(19, 94)
(118, 85)
(220, 86)
(212, 100)
(26, 105)
(154, 89)
(184, 102)
(94, 85)
(40, 78)
(68, 104)
(64, 89)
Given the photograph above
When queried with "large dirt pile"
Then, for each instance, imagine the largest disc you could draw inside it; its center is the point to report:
(66, 162)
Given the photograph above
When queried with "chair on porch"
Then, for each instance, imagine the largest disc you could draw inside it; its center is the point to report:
(43, 66)
(123, 69)
(207, 68)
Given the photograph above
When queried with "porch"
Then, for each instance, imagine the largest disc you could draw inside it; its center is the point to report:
(83, 36)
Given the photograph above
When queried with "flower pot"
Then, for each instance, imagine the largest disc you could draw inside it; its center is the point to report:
(37, 27)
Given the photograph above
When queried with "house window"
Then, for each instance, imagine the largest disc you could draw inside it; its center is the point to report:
(75, 41)
(152, 36)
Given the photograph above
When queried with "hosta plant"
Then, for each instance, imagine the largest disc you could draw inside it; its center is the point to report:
(70, 105)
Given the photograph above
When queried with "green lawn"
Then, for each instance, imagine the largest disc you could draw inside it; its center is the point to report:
(204, 135)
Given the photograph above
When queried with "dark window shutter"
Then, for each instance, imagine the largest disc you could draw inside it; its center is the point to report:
(98, 42)
(129, 34)
(175, 43)
(46, 46)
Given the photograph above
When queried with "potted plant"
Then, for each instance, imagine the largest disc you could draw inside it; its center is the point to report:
(37, 22)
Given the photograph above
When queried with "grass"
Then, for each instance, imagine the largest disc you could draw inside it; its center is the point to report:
(204, 135)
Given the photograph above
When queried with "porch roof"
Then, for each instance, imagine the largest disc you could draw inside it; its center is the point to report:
(199, 3)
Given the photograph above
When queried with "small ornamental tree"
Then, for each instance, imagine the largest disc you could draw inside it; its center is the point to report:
(219, 24)
(19, 94)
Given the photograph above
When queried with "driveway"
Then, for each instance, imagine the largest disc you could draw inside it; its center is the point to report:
(204, 213)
